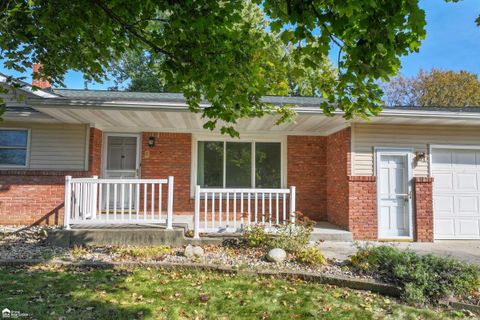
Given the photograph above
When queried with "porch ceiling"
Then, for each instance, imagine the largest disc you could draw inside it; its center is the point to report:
(173, 116)
(128, 120)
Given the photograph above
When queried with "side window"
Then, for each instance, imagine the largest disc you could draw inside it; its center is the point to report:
(13, 147)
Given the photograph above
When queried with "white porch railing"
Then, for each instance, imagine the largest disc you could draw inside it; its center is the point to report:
(118, 201)
(231, 210)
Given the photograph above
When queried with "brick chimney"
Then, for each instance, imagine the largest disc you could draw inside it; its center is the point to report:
(41, 83)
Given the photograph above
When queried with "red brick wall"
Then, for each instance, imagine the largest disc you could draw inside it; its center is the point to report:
(33, 197)
(95, 152)
(171, 156)
(423, 209)
(338, 170)
(307, 169)
(362, 198)
(36, 196)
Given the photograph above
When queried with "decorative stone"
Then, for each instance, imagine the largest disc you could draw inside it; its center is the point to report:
(193, 251)
(276, 255)
(198, 252)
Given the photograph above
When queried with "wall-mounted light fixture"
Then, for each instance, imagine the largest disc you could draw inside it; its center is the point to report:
(151, 142)
(421, 156)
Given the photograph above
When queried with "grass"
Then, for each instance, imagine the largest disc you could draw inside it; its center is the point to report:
(47, 292)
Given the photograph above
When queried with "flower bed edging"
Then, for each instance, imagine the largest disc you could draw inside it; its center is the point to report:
(465, 306)
(346, 282)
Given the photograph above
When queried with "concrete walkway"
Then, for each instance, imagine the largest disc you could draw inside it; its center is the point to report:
(468, 251)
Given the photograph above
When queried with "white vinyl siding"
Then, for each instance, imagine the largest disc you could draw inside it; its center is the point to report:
(55, 146)
(365, 137)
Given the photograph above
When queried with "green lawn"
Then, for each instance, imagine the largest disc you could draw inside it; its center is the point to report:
(56, 293)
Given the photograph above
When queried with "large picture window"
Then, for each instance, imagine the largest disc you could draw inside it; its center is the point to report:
(225, 164)
(13, 147)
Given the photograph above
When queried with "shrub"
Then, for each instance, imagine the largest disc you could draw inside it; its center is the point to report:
(289, 237)
(310, 256)
(78, 251)
(152, 252)
(256, 236)
(423, 278)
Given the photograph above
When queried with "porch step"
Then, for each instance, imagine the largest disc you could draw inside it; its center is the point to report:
(326, 231)
(122, 235)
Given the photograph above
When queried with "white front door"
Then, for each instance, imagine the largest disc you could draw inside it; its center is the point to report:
(121, 162)
(122, 156)
(394, 194)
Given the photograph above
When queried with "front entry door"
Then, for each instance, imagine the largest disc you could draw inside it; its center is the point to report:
(122, 157)
(394, 195)
(122, 162)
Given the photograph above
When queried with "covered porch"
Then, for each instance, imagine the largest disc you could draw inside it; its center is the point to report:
(97, 201)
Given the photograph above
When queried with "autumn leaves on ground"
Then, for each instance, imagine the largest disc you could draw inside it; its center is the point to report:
(47, 292)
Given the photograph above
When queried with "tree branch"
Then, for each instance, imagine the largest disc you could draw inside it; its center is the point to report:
(130, 29)
(330, 35)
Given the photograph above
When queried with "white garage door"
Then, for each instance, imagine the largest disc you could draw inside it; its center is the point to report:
(456, 193)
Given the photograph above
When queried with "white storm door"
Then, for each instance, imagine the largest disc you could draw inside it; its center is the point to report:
(456, 192)
(121, 162)
(394, 195)
(122, 156)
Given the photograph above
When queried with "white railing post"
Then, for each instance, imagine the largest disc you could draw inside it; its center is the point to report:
(93, 206)
(292, 204)
(170, 203)
(196, 216)
(67, 202)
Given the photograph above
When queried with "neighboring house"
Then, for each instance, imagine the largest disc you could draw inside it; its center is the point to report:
(409, 173)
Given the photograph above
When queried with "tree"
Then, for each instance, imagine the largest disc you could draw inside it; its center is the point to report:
(436, 88)
(288, 76)
(212, 50)
(141, 71)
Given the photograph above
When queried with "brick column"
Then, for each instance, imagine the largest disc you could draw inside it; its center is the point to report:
(95, 152)
(338, 170)
(171, 156)
(362, 201)
(306, 161)
(423, 209)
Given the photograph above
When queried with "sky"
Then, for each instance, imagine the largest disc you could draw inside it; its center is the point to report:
(452, 43)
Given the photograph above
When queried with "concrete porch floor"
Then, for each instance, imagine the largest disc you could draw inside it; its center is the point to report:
(326, 231)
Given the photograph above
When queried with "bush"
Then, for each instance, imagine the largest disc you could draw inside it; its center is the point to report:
(423, 278)
(310, 256)
(256, 236)
(151, 252)
(289, 237)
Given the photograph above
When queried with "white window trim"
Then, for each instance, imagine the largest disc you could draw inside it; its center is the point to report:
(244, 138)
(27, 160)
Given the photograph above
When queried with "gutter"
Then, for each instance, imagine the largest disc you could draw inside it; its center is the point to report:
(178, 106)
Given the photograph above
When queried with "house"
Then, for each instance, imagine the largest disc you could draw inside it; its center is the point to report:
(409, 173)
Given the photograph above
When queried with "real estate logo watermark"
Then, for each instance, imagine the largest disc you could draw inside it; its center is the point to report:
(13, 314)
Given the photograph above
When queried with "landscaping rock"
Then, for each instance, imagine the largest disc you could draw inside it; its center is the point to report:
(193, 251)
(276, 255)
(198, 252)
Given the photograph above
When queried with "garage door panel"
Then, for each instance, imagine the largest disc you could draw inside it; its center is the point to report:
(465, 181)
(444, 181)
(443, 159)
(464, 159)
(466, 205)
(456, 193)
(444, 227)
(443, 205)
(468, 227)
